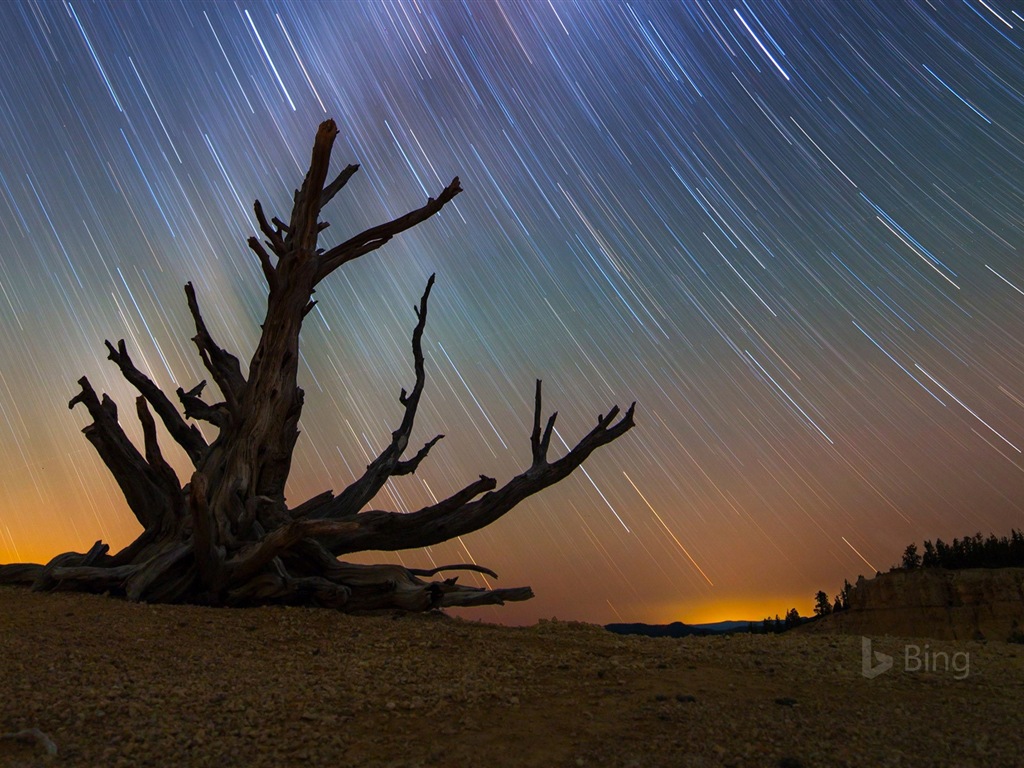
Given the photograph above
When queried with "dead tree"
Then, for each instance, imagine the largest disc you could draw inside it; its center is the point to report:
(227, 536)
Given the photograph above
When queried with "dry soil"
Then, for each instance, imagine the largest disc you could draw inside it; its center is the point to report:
(119, 684)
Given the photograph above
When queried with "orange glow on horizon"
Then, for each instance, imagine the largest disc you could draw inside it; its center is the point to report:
(753, 608)
(59, 528)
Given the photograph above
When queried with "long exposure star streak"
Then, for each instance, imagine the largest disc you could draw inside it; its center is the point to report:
(791, 231)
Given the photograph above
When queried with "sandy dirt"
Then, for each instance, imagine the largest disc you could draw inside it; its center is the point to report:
(119, 684)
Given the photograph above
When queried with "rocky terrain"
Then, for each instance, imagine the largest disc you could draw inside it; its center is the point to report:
(972, 604)
(112, 683)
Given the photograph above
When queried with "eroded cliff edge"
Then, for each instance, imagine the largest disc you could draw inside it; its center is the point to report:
(970, 604)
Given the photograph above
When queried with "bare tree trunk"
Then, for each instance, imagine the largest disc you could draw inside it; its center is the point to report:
(227, 537)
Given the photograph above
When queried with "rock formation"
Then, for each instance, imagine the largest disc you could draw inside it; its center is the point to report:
(970, 604)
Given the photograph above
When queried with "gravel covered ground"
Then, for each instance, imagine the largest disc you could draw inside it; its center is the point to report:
(113, 683)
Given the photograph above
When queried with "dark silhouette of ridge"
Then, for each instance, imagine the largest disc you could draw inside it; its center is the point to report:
(679, 629)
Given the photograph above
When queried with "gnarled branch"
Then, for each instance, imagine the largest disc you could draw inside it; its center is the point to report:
(141, 485)
(335, 186)
(388, 463)
(221, 364)
(275, 234)
(374, 237)
(195, 408)
(305, 216)
(408, 466)
(461, 514)
(269, 270)
(164, 471)
(185, 435)
(539, 443)
(459, 567)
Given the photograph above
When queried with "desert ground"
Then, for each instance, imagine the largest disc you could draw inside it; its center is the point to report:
(112, 683)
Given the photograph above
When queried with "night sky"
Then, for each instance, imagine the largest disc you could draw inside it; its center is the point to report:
(790, 231)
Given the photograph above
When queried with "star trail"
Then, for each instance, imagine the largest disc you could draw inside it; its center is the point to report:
(790, 231)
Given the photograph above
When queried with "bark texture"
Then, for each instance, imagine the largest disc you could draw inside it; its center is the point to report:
(227, 535)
